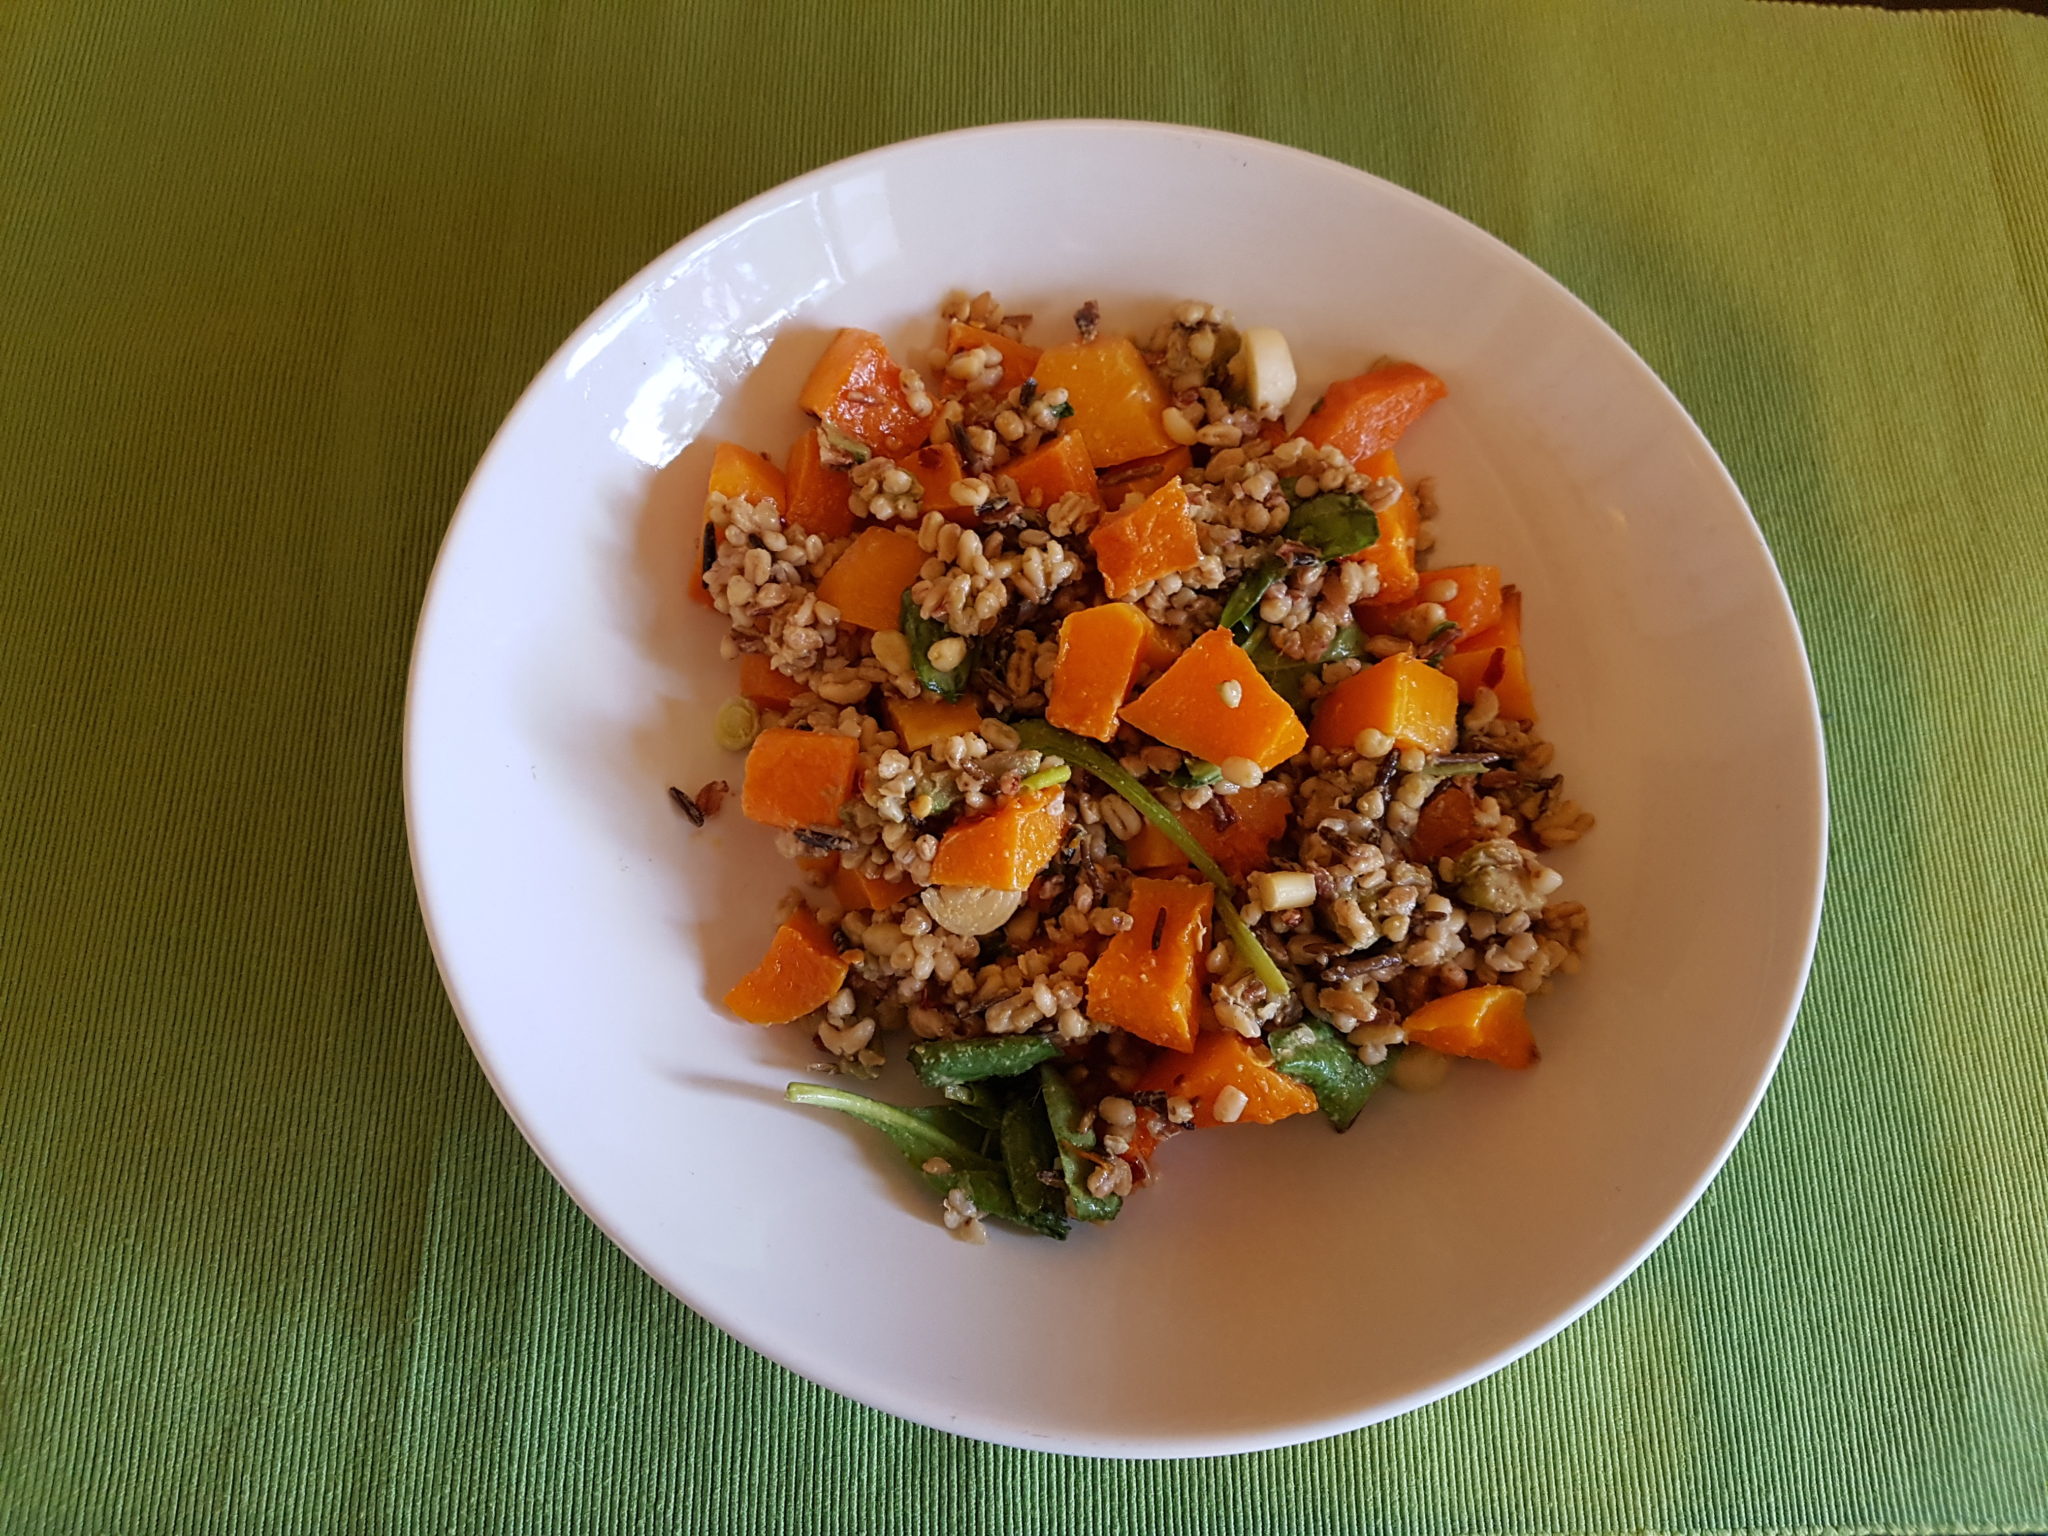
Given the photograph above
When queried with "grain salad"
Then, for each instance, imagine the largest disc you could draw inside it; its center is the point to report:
(1143, 772)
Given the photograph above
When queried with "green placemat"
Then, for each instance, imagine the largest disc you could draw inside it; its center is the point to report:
(271, 1257)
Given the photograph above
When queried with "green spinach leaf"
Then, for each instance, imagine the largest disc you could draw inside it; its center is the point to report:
(1286, 674)
(944, 1063)
(942, 1132)
(1031, 1158)
(923, 634)
(1244, 597)
(980, 1102)
(1334, 525)
(1063, 1117)
(1312, 1052)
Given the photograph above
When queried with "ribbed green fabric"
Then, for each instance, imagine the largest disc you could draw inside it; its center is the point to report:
(271, 1257)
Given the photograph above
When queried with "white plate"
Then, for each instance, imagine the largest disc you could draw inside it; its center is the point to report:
(1280, 1284)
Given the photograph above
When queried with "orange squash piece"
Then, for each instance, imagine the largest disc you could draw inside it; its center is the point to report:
(1019, 360)
(1186, 708)
(1157, 653)
(1238, 831)
(935, 467)
(763, 686)
(1222, 1060)
(1144, 476)
(799, 778)
(1100, 651)
(1392, 554)
(857, 388)
(866, 583)
(1053, 470)
(1367, 415)
(1115, 396)
(1448, 823)
(1149, 976)
(921, 721)
(735, 471)
(1256, 817)
(1486, 1023)
(1154, 537)
(867, 893)
(1153, 850)
(1494, 659)
(1003, 849)
(1474, 607)
(801, 971)
(1409, 700)
(820, 497)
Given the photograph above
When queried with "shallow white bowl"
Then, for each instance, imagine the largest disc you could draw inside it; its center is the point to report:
(561, 682)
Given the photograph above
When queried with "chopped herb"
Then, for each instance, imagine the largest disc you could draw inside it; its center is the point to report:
(687, 806)
(1195, 771)
(1062, 411)
(1159, 929)
(1045, 778)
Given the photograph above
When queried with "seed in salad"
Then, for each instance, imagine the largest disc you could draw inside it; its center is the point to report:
(1231, 692)
(1418, 1070)
(736, 724)
(1177, 426)
(947, 654)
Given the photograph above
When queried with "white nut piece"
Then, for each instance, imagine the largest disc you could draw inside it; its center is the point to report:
(892, 650)
(1264, 366)
(1230, 1103)
(1282, 890)
(947, 654)
(970, 910)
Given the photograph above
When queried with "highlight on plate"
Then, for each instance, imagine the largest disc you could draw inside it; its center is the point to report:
(1144, 775)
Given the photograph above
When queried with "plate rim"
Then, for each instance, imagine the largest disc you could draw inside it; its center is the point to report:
(980, 1425)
